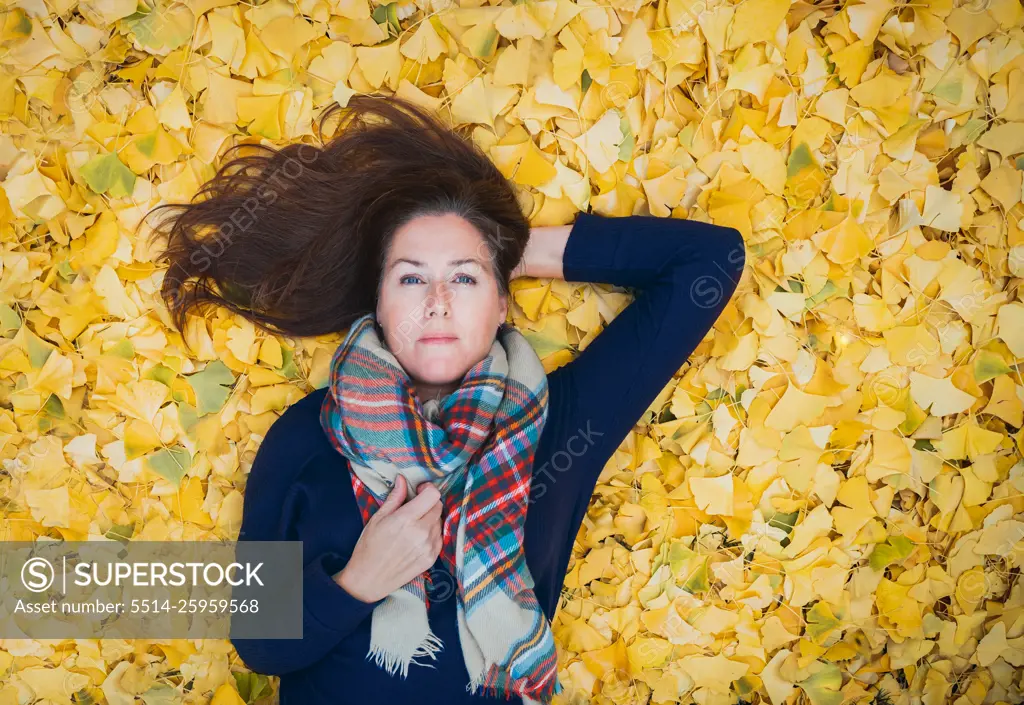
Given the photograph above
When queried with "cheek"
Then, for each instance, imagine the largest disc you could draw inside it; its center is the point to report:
(482, 307)
(397, 313)
(480, 340)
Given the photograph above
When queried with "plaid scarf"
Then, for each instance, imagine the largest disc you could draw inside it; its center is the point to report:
(477, 446)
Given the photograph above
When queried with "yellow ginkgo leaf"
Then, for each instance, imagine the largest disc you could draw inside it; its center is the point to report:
(882, 91)
(852, 60)
(140, 400)
(715, 673)
(890, 455)
(1006, 139)
(766, 164)
(872, 314)
(714, 495)
(942, 209)
(600, 143)
(993, 645)
(526, 19)
(779, 689)
(173, 113)
(666, 191)
(794, 408)
(1005, 402)
(381, 64)
(845, 243)
(756, 21)
(226, 695)
(939, 395)
(425, 45)
(1010, 327)
(753, 80)
(50, 507)
(481, 101)
(866, 18)
(967, 440)
(55, 377)
(56, 684)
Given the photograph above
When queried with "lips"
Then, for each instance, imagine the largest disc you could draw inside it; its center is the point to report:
(438, 339)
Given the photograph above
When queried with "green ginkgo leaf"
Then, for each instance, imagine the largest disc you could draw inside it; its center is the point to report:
(628, 139)
(54, 407)
(585, 81)
(823, 686)
(121, 532)
(988, 366)
(161, 694)
(894, 550)
(123, 349)
(829, 290)
(212, 387)
(106, 174)
(698, 580)
(678, 556)
(9, 319)
(881, 556)
(170, 463)
(287, 368)
(161, 373)
(548, 337)
(38, 349)
(950, 89)
(163, 29)
(65, 270)
(820, 622)
(146, 144)
(799, 160)
(252, 686)
(188, 418)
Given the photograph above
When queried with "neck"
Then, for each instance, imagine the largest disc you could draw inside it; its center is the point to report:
(426, 392)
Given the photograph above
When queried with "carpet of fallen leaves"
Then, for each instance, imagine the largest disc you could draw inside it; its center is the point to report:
(824, 504)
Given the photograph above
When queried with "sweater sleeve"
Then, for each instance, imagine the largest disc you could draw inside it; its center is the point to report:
(684, 273)
(274, 499)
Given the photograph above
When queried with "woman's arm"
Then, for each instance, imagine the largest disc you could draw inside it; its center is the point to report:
(684, 273)
(274, 498)
(544, 252)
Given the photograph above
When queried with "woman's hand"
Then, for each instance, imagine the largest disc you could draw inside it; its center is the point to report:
(520, 269)
(544, 252)
(399, 542)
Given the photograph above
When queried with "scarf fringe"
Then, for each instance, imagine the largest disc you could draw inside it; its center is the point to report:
(476, 686)
(488, 691)
(392, 662)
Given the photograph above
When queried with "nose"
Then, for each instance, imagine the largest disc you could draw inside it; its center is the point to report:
(438, 300)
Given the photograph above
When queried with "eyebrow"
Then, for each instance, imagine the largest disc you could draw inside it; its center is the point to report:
(452, 263)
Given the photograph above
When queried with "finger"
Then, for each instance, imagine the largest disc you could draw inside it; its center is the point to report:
(433, 515)
(436, 530)
(395, 497)
(418, 505)
(436, 542)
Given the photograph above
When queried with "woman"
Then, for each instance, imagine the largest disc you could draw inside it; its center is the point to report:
(439, 479)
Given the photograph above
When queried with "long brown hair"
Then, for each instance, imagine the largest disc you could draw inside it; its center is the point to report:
(295, 238)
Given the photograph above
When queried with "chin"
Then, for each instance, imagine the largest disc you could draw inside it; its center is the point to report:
(437, 371)
(448, 372)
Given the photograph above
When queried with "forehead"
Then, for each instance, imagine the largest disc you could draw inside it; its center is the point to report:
(435, 238)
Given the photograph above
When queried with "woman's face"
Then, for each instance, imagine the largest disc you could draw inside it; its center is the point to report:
(439, 304)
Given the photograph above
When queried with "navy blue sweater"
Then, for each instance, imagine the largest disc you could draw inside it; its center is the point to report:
(683, 273)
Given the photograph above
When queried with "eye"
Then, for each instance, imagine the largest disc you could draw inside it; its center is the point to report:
(470, 279)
